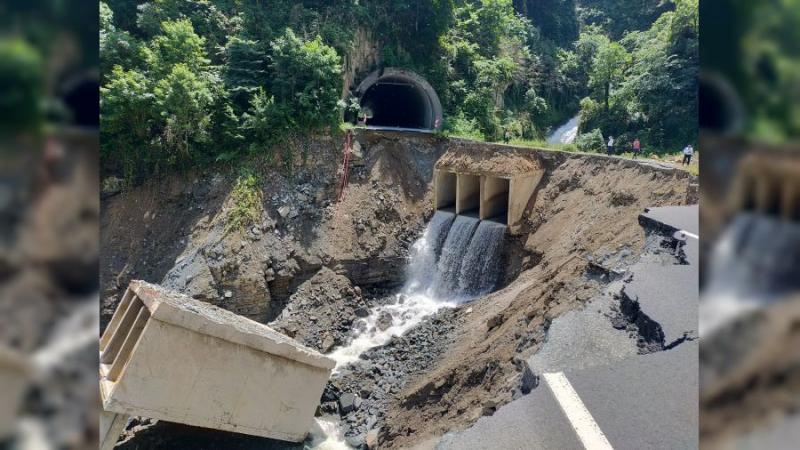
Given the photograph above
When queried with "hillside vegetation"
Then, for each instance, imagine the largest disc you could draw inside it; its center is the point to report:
(193, 82)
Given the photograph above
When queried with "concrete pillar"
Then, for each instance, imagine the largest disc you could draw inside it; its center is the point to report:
(111, 426)
(173, 358)
(521, 190)
(494, 197)
(468, 195)
(445, 189)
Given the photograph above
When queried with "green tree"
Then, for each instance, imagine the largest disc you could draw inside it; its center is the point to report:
(306, 77)
(245, 70)
(183, 100)
(177, 44)
(207, 19)
(608, 69)
(126, 118)
(117, 46)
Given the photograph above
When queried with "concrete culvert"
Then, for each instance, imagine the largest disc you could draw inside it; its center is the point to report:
(399, 98)
(494, 199)
(445, 189)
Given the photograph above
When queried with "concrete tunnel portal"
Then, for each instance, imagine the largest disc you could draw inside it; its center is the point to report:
(399, 98)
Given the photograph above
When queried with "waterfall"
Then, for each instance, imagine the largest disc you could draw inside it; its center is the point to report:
(455, 248)
(425, 252)
(482, 265)
(566, 133)
(456, 259)
(753, 263)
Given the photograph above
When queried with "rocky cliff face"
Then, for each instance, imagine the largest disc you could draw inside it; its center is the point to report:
(175, 231)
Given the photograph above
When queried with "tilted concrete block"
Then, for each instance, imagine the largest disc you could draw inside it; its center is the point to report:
(167, 356)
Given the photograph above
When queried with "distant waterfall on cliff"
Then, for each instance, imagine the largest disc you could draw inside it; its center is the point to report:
(566, 133)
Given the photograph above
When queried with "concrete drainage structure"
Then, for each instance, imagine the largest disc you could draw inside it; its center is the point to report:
(400, 98)
(484, 195)
(167, 356)
(768, 185)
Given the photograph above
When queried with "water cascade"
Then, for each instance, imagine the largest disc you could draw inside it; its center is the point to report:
(448, 270)
(753, 263)
(480, 270)
(456, 259)
(566, 133)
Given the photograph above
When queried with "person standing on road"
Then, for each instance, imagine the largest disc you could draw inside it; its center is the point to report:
(688, 151)
(637, 148)
(610, 147)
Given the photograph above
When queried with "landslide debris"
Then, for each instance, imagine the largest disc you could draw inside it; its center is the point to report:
(302, 263)
(320, 314)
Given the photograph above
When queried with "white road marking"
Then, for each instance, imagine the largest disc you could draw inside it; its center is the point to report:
(691, 235)
(589, 433)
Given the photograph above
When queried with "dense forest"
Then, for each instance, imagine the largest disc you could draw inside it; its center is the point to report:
(192, 82)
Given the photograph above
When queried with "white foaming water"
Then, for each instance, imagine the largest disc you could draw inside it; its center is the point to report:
(327, 435)
(406, 312)
(753, 264)
(412, 305)
(566, 133)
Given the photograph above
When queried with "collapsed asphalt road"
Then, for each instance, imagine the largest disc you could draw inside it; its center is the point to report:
(600, 388)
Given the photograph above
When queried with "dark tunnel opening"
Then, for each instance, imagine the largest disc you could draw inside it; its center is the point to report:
(397, 103)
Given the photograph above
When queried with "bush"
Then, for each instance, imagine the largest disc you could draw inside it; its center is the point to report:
(307, 79)
(126, 113)
(590, 142)
(247, 201)
(462, 127)
(21, 79)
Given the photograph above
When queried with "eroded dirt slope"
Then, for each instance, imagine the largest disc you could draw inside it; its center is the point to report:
(316, 265)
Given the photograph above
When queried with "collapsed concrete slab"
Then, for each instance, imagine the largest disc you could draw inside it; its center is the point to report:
(167, 356)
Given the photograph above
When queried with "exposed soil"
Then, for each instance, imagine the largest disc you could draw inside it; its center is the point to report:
(315, 266)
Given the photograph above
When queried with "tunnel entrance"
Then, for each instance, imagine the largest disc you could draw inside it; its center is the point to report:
(397, 98)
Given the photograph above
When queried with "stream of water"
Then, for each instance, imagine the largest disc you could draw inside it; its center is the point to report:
(566, 133)
(456, 259)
